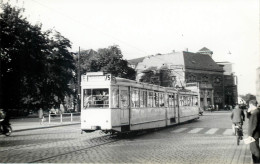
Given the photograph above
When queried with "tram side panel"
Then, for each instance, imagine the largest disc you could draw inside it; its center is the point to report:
(188, 113)
(188, 108)
(147, 118)
(147, 109)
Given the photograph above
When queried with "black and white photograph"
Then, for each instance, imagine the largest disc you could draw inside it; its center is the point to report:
(130, 81)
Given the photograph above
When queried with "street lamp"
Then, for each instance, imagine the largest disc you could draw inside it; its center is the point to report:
(79, 78)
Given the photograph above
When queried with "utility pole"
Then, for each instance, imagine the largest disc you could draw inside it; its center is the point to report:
(1, 89)
(79, 79)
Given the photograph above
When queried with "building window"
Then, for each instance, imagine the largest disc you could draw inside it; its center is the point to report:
(191, 78)
(217, 80)
(205, 79)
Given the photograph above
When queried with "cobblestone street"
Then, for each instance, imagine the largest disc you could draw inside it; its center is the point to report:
(207, 140)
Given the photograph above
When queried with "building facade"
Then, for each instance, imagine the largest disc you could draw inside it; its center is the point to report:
(187, 69)
(258, 85)
(230, 84)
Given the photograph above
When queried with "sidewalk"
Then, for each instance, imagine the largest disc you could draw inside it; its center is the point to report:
(22, 124)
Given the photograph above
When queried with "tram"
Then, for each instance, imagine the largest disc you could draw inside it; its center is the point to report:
(119, 105)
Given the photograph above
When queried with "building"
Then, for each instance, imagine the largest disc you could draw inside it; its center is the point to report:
(258, 85)
(193, 70)
(230, 84)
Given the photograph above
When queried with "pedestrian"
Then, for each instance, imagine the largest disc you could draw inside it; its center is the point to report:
(5, 119)
(41, 116)
(2, 117)
(237, 117)
(2, 114)
(253, 115)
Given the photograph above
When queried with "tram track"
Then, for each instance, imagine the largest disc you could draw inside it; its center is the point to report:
(34, 155)
(55, 148)
(108, 139)
(74, 151)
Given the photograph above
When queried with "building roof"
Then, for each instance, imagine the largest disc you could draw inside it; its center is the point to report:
(200, 62)
(205, 51)
(136, 61)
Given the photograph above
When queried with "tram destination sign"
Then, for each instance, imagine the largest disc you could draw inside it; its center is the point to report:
(96, 77)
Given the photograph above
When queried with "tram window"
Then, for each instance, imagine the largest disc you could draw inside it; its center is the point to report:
(181, 101)
(166, 103)
(135, 98)
(95, 98)
(188, 101)
(175, 100)
(150, 99)
(195, 101)
(161, 99)
(143, 99)
(124, 99)
(115, 98)
(171, 99)
(156, 100)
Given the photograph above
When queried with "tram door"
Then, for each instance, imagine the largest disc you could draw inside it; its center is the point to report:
(172, 109)
(124, 104)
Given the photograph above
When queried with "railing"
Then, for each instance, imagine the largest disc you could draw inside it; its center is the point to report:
(64, 117)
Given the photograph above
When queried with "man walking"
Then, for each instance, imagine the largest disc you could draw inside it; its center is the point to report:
(253, 115)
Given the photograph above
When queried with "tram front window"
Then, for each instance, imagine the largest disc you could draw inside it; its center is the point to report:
(95, 98)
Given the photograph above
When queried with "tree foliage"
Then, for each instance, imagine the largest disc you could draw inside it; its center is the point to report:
(109, 60)
(36, 66)
(248, 97)
(156, 76)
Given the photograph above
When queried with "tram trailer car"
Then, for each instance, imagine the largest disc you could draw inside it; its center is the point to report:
(113, 104)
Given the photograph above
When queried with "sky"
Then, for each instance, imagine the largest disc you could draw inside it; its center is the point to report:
(229, 28)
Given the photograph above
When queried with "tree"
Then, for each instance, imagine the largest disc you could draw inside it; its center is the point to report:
(248, 97)
(156, 76)
(109, 60)
(36, 66)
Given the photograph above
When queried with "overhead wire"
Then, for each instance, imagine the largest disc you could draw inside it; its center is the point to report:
(90, 27)
(99, 31)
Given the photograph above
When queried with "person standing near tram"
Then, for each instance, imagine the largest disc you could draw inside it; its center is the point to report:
(41, 116)
(253, 115)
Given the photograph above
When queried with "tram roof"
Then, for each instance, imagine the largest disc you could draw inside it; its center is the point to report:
(133, 83)
(127, 82)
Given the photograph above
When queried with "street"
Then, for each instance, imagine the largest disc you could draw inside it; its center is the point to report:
(207, 140)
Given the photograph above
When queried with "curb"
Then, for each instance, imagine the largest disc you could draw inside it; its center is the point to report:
(45, 127)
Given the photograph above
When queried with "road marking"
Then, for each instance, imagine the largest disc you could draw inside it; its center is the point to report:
(179, 130)
(204, 131)
(196, 130)
(228, 132)
(212, 131)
